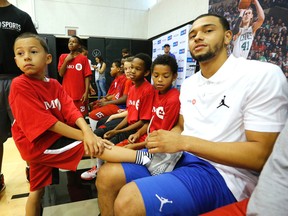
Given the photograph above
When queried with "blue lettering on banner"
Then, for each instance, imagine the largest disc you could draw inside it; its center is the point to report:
(180, 69)
(181, 51)
(154, 50)
(159, 42)
(175, 43)
(169, 37)
(183, 32)
(189, 59)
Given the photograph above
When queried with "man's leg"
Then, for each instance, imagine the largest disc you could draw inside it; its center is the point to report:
(110, 179)
(135, 199)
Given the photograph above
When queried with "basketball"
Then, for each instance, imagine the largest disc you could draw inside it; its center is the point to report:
(244, 4)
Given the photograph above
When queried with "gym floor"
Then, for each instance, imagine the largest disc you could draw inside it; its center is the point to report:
(72, 196)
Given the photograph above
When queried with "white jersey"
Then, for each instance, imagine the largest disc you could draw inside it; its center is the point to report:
(243, 42)
(242, 95)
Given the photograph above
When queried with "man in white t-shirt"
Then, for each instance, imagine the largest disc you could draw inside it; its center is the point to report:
(231, 114)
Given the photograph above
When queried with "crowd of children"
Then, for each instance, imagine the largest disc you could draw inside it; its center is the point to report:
(64, 137)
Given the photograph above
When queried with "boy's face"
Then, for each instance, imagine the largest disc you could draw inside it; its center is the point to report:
(138, 71)
(163, 78)
(31, 57)
(73, 44)
(127, 69)
(114, 70)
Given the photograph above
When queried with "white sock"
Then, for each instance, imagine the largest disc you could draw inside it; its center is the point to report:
(143, 157)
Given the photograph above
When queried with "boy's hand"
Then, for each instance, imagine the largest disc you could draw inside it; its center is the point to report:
(69, 57)
(110, 134)
(133, 138)
(91, 143)
(84, 97)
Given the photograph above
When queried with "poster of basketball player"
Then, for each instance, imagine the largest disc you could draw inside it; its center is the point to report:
(259, 28)
(246, 26)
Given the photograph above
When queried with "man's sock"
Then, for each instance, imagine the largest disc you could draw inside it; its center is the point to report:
(143, 157)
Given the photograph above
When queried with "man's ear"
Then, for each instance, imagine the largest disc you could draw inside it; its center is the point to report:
(228, 37)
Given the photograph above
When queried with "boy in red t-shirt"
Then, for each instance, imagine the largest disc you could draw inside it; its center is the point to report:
(57, 136)
(75, 70)
(115, 98)
(139, 101)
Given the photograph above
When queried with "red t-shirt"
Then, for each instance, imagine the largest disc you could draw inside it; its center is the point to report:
(128, 85)
(165, 112)
(36, 106)
(139, 102)
(118, 86)
(74, 78)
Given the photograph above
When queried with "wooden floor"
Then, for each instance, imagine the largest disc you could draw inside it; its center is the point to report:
(13, 168)
(71, 197)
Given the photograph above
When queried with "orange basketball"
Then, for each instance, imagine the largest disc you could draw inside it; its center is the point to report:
(244, 4)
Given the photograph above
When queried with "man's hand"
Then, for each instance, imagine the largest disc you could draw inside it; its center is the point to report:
(162, 141)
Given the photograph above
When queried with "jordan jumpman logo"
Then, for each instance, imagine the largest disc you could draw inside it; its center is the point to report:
(222, 103)
(163, 201)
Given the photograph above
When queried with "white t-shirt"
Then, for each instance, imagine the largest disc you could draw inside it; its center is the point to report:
(97, 75)
(242, 95)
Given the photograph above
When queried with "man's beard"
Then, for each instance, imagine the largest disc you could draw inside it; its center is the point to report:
(210, 54)
(207, 56)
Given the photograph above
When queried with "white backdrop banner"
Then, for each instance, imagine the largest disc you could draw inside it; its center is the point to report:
(178, 41)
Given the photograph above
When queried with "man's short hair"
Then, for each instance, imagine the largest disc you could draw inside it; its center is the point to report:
(166, 45)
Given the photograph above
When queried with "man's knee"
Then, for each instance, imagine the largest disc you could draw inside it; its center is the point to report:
(128, 196)
(110, 175)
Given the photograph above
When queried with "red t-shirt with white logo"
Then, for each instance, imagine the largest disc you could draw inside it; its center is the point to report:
(74, 78)
(36, 106)
(139, 102)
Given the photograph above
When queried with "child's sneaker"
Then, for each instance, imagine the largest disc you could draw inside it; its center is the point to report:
(2, 184)
(90, 174)
(162, 162)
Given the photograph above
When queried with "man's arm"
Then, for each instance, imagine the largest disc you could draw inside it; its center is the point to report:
(236, 27)
(249, 155)
(260, 16)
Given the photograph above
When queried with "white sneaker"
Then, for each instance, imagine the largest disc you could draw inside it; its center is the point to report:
(163, 162)
(90, 174)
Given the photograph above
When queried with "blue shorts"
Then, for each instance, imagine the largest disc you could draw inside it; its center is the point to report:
(192, 188)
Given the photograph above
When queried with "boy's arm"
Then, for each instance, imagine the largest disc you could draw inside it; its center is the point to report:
(63, 67)
(121, 100)
(92, 144)
(134, 126)
(134, 137)
(122, 124)
(117, 115)
(87, 84)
